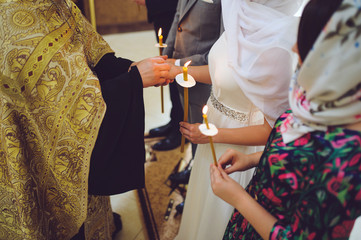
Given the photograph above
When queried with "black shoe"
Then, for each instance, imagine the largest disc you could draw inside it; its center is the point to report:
(169, 143)
(117, 222)
(179, 208)
(180, 177)
(160, 131)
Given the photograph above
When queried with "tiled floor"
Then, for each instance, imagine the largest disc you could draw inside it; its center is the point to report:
(137, 46)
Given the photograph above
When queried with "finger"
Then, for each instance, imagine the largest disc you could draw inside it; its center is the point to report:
(226, 157)
(163, 74)
(162, 67)
(217, 175)
(222, 173)
(158, 59)
(165, 57)
(185, 125)
(230, 169)
(185, 132)
(166, 82)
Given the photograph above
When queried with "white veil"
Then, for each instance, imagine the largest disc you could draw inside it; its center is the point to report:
(260, 35)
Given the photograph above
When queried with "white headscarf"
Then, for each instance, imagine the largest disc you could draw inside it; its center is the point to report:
(260, 35)
(327, 91)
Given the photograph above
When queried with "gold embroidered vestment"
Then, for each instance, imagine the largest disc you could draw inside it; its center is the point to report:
(50, 113)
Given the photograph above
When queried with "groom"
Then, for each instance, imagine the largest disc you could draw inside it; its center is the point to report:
(195, 28)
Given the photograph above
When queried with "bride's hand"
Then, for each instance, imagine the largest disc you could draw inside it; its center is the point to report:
(174, 70)
(192, 133)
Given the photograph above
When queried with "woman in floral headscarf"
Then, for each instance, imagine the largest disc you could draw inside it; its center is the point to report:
(308, 181)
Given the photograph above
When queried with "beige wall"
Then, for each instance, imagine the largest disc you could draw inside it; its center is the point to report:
(118, 16)
(110, 12)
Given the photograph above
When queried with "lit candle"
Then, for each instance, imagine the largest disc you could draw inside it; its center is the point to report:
(160, 54)
(160, 37)
(185, 71)
(185, 104)
(205, 109)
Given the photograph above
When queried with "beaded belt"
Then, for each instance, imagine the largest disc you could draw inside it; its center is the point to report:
(239, 116)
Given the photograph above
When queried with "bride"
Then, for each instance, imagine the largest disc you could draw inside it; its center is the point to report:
(250, 67)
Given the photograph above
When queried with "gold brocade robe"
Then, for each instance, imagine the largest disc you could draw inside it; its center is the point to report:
(50, 113)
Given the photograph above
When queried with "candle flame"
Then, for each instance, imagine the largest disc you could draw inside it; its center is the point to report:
(205, 109)
(187, 63)
(159, 32)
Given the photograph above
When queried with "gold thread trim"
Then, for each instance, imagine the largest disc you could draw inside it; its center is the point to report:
(47, 48)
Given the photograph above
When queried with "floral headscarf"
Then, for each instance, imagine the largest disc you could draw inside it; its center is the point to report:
(327, 91)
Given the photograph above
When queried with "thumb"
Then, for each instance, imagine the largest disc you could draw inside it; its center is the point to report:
(214, 171)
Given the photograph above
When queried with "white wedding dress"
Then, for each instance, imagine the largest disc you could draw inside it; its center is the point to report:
(205, 216)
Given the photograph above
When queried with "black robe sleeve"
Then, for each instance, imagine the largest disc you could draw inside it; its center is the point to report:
(117, 162)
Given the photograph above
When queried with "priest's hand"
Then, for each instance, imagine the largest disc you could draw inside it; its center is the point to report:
(192, 133)
(154, 71)
(233, 161)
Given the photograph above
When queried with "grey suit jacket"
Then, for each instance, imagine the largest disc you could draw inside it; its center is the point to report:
(195, 28)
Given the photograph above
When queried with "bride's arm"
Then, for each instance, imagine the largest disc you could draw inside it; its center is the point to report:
(199, 73)
(250, 136)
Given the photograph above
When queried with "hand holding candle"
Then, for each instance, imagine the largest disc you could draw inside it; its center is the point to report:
(209, 130)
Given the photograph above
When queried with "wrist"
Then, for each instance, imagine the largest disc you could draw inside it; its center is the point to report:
(218, 136)
(239, 198)
(243, 197)
(254, 158)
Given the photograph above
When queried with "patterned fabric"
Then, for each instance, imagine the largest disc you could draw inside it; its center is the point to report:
(312, 186)
(51, 108)
(328, 89)
(99, 224)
